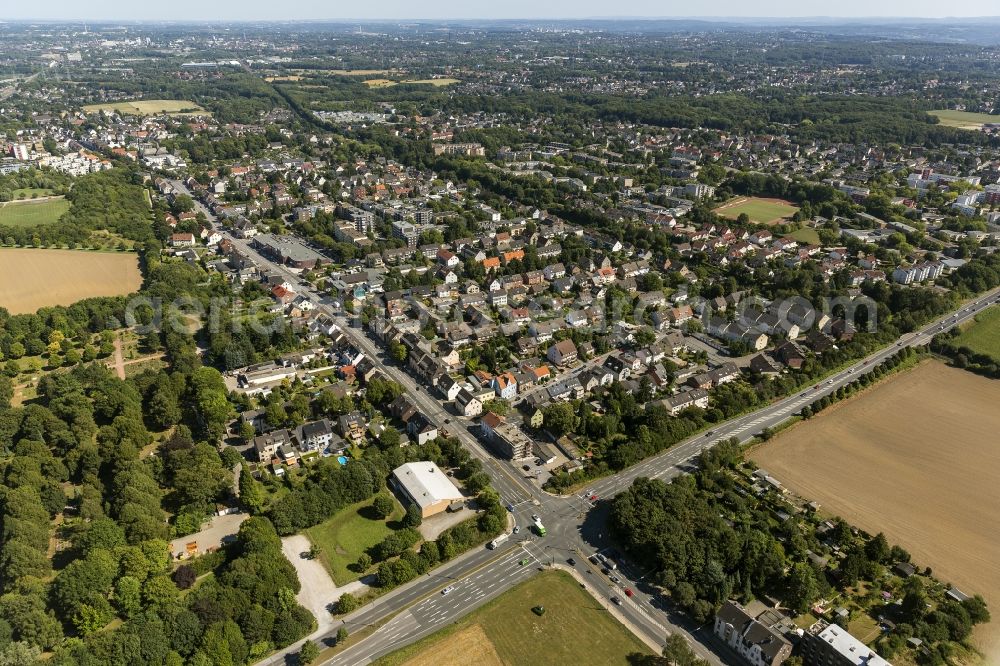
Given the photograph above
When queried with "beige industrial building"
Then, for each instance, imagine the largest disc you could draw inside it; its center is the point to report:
(424, 484)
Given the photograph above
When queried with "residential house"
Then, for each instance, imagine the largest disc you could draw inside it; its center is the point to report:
(685, 400)
(268, 445)
(756, 643)
(790, 354)
(508, 440)
(449, 387)
(421, 429)
(352, 427)
(182, 240)
(505, 385)
(468, 405)
(316, 435)
(562, 353)
(830, 645)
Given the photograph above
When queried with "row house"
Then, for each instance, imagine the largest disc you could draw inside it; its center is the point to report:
(684, 400)
(927, 270)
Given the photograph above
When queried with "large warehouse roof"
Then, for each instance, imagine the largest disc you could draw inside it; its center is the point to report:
(425, 483)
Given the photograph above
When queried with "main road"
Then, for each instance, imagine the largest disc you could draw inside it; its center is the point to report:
(575, 523)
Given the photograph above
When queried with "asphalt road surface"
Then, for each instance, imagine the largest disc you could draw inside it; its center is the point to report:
(575, 524)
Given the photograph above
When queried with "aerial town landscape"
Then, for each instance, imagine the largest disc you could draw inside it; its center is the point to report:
(499, 342)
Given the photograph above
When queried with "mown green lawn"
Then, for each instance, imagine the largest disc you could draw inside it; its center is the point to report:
(28, 213)
(806, 235)
(963, 119)
(983, 336)
(759, 210)
(29, 192)
(575, 629)
(344, 537)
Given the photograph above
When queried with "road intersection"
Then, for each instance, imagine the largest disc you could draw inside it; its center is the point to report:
(575, 524)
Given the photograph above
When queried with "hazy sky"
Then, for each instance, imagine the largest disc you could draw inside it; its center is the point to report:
(438, 9)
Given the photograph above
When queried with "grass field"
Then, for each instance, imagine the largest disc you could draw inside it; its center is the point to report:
(575, 630)
(31, 213)
(963, 119)
(806, 235)
(917, 458)
(348, 534)
(983, 336)
(32, 278)
(28, 192)
(150, 107)
(386, 83)
(762, 211)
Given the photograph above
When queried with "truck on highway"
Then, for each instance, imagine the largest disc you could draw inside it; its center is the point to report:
(539, 528)
(493, 545)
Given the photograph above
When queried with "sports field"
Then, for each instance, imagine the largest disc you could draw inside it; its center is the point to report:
(150, 107)
(918, 458)
(963, 119)
(574, 630)
(32, 212)
(32, 278)
(983, 336)
(760, 210)
(344, 537)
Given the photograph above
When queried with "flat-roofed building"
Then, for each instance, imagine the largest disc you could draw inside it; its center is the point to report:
(426, 486)
(833, 646)
(288, 250)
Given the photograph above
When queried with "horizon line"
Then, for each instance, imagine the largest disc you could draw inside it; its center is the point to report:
(713, 19)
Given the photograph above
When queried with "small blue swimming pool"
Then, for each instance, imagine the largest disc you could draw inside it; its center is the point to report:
(342, 460)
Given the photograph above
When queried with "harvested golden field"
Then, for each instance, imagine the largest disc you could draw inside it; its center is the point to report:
(388, 83)
(34, 278)
(150, 107)
(918, 458)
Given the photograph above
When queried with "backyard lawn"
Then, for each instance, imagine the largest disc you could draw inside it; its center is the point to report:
(574, 630)
(983, 337)
(806, 235)
(344, 537)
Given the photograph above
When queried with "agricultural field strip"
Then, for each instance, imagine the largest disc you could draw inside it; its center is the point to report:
(667, 462)
(35, 278)
(893, 459)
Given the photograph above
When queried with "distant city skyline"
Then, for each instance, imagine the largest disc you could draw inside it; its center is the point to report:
(292, 10)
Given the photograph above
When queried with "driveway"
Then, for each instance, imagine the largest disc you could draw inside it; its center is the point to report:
(432, 527)
(318, 589)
